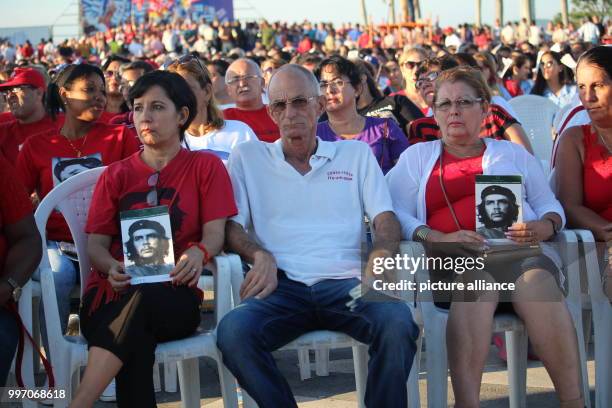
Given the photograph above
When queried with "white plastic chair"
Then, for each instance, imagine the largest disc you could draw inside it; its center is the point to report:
(69, 354)
(568, 248)
(536, 115)
(326, 340)
(602, 322)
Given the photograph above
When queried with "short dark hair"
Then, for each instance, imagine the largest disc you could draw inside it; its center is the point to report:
(64, 79)
(220, 65)
(176, 88)
(143, 65)
(112, 58)
(343, 66)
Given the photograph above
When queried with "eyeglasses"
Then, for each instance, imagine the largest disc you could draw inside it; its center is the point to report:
(16, 90)
(461, 104)
(337, 83)
(299, 102)
(110, 74)
(427, 79)
(152, 195)
(127, 85)
(244, 78)
(548, 64)
(410, 64)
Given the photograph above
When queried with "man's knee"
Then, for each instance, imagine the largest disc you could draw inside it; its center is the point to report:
(235, 331)
(397, 325)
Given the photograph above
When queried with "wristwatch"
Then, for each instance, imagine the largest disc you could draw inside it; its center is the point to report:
(556, 228)
(16, 289)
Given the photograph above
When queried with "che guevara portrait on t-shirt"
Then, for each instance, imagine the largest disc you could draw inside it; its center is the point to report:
(65, 167)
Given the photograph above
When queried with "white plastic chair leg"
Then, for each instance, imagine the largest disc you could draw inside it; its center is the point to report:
(360, 361)
(304, 363)
(156, 378)
(414, 400)
(170, 377)
(516, 346)
(322, 361)
(248, 401)
(229, 386)
(437, 364)
(189, 377)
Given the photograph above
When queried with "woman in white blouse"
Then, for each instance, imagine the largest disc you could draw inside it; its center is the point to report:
(433, 192)
(209, 131)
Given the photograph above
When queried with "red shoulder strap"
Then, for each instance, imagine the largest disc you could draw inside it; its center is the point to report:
(12, 307)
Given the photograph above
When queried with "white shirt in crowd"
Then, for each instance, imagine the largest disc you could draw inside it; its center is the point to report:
(221, 141)
(312, 223)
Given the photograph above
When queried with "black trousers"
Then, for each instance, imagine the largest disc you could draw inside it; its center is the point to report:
(131, 327)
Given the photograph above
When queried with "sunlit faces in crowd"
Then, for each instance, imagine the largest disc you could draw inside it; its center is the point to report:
(85, 97)
(157, 119)
(23, 100)
(394, 73)
(113, 78)
(425, 84)
(245, 83)
(338, 90)
(295, 106)
(595, 92)
(458, 110)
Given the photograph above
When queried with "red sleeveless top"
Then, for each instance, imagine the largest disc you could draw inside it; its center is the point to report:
(597, 175)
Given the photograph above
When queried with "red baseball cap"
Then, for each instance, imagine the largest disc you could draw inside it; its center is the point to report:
(24, 76)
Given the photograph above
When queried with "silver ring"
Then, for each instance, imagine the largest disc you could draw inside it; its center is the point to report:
(194, 270)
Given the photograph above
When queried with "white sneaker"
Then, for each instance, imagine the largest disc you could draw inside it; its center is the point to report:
(109, 394)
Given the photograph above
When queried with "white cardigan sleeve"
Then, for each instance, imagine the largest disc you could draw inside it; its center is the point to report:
(404, 181)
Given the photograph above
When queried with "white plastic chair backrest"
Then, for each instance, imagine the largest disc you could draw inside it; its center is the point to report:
(559, 116)
(536, 115)
(72, 198)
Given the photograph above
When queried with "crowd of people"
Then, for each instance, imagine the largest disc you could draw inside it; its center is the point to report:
(213, 120)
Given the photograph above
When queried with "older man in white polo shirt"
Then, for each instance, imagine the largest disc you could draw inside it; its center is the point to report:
(301, 204)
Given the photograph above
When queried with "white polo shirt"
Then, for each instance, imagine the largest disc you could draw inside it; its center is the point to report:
(312, 223)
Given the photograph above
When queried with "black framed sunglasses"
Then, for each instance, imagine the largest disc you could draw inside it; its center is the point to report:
(153, 195)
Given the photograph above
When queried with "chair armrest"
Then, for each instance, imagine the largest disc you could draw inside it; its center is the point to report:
(222, 286)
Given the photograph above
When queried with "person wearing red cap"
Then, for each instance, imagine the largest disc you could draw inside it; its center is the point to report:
(24, 92)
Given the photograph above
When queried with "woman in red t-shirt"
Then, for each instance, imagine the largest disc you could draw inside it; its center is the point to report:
(434, 195)
(82, 143)
(195, 188)
(584, 169)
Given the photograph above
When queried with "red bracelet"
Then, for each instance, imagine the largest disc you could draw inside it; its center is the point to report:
(202, 248)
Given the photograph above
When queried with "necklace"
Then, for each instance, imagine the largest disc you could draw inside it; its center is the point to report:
(605, 144)
(77, 151)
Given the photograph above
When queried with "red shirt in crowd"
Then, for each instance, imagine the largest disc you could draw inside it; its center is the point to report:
(14, 134)
(47, 160)
(514, 87)
(106, 117)
(194, 185)
(597, 175)
(15, 204)
(6, 117)
(493, 126)
(258, 120)
(459, 180)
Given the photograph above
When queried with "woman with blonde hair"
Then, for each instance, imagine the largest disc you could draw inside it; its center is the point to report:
(208, 130)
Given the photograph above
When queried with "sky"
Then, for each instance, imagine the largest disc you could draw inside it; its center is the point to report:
(450, 12)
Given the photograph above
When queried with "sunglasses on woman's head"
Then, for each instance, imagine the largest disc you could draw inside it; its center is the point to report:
(185, 59)
(152, 195)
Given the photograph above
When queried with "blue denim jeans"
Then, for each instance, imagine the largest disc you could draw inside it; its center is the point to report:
(248, 334)
(9, 335)
(65, 272)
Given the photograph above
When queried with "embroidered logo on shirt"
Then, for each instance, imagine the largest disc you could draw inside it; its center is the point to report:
(340, 175)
